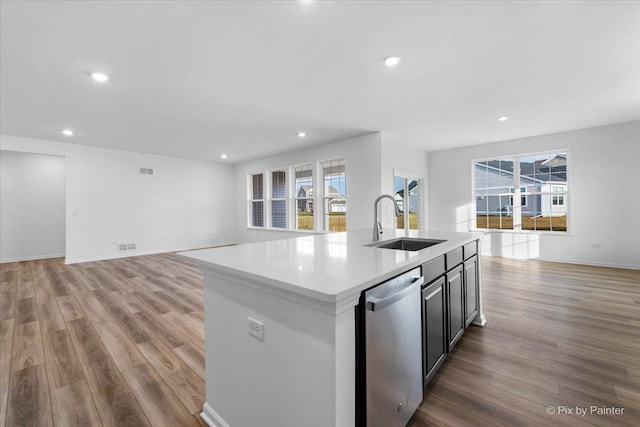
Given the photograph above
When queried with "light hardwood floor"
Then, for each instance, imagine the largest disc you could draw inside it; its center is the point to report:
(113, 343)
(557, 335)
(121, 343)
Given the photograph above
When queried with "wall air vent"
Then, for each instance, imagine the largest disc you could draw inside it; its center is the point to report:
(126, 246)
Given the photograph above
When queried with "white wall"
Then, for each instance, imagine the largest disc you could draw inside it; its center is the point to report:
(184, 205)
(408, 160)
(363, 161)
(32, 213)
(603, 203)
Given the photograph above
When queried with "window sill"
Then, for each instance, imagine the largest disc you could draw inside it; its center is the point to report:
(548, 233)
(285, 230)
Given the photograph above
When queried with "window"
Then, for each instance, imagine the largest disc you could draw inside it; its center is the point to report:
(406, 191)
(334, 196)
(557, 199)
(303, 197)
(288, 198)
(257, 200)
(543, 184)
(523, 198)
(279, 199)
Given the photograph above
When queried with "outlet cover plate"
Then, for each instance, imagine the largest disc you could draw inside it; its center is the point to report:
(256, 328)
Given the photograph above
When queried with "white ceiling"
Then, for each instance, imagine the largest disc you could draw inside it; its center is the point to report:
(197, 79)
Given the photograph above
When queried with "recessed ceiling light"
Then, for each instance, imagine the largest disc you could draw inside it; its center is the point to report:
(301, 134)
(67, 132)
(100, 77)
(503, 118)
(391, 61)
(223, 156)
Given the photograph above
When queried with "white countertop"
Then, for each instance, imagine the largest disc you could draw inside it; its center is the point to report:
(330, 268)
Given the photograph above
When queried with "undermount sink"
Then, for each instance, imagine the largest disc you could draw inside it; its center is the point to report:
(405, 244)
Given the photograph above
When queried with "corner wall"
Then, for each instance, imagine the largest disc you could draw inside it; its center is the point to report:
(185, 204)
(32, 213)
(363, 162)
(604, 206)
(405, 159)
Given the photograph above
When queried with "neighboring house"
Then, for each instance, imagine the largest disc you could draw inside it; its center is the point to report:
(305, 192)
(494, 187)
(337, 205)
(337, 202)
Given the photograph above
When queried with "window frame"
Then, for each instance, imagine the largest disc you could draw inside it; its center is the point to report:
(316, 201)
(293, 226)
(517, 222)
(407, 177)
(325, 227)
(251, 199)
(271, 198)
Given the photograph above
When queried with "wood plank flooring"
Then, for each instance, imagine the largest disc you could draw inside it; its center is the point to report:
(121, 342)
(109, 343)
(557, 335)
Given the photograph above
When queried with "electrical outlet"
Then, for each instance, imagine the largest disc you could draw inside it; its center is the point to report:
(256, 328)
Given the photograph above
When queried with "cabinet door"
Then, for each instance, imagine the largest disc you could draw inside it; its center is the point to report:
(455, 298)
(434, 332)
(471, 289)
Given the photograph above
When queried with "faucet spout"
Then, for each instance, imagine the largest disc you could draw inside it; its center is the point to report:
(377, 228)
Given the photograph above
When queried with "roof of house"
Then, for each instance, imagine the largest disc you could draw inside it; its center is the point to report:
(412, 185)
(308, 191)
(550, 170)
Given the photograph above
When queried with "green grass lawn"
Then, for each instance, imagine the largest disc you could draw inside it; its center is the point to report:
(544, 223)
(337, 221)
(413, 221)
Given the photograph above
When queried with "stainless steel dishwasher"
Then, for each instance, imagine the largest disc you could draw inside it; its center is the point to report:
(392, 350)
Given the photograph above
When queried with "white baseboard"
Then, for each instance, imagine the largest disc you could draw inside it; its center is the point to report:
(595, 264)
(568, 261)
(480, 320)
(129, 254)
(211, 417)
(31, 258)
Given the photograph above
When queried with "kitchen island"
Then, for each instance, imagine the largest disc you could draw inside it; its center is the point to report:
(297, 297)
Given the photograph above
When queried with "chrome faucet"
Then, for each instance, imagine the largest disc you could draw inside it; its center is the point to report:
(377, 227)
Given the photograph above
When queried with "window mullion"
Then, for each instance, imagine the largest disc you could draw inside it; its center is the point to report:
(291, 205)
(407, 204)
(318, 209)
(267, 199)
(517, 205)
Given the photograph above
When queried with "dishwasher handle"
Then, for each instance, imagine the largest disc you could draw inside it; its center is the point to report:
(374, 304)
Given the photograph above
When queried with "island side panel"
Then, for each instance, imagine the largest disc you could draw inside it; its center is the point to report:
(301, 374)
(480, 319)
(345, 356)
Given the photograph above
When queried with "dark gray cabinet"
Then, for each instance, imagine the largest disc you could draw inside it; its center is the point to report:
(455, 299)
(449, 303)
(434, 328)
(471, 289)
